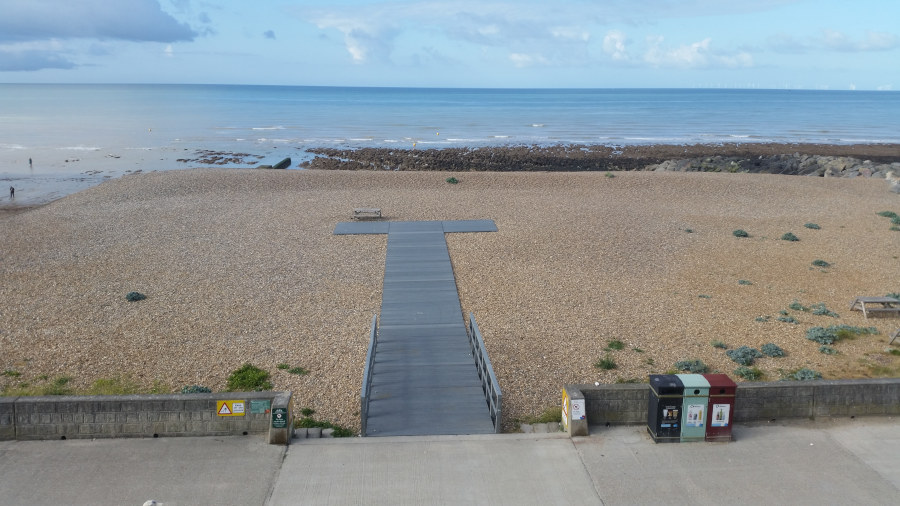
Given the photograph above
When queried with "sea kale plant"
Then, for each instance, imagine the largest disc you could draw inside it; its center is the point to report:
(744, 355)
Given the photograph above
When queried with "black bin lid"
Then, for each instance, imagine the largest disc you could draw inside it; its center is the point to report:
(666, 384)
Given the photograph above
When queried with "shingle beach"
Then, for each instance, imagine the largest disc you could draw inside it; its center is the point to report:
(241, 266)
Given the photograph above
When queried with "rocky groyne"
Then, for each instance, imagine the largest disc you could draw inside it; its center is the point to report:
(809, 160)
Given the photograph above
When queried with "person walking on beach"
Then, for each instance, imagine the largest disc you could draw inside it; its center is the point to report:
(29, 164)
(12, 193)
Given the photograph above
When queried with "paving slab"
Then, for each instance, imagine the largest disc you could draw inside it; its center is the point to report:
(173, 471)
(473, 470)
(798, 464)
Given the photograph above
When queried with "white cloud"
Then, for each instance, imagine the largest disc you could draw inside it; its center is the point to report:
(873, 41)
(614, 45)
(527, 60)
(694, 55)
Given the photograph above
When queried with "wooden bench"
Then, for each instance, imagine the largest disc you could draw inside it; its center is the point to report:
(367, 213)
(876, 306)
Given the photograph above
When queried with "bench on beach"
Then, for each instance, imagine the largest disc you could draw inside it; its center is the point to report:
(367, 213)
(876, 306)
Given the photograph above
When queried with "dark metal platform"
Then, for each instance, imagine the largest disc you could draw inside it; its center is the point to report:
(424, 380)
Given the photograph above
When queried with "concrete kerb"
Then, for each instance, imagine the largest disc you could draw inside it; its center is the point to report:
(136, 416)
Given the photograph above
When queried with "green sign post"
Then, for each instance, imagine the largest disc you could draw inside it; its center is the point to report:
(279, 418)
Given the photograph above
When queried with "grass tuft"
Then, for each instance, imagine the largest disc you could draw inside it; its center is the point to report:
(606, 363)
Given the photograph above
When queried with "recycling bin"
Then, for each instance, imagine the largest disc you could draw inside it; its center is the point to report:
(720, 417)
(695, 407)
(664, 408)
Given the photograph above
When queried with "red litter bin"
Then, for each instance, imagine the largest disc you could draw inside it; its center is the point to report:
(720, 414)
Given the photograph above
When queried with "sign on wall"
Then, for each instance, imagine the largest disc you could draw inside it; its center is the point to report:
(230, 408)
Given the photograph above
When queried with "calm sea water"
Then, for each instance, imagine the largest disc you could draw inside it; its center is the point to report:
(66, 128)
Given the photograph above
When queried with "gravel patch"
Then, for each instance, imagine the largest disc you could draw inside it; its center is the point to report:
(240, 266)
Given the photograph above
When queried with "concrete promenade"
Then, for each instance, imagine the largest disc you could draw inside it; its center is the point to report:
(829, 462)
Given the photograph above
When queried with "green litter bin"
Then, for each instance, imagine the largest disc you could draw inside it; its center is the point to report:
(696, 407)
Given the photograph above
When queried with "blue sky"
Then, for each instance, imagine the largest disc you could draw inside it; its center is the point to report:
(811, 44)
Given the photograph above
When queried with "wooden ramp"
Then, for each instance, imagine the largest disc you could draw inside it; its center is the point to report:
(424, 380)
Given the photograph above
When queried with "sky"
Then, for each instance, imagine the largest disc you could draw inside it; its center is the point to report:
(796, 44)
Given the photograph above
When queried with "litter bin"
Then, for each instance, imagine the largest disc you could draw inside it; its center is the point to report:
(695, 407)
(721, 407)
(664, 408)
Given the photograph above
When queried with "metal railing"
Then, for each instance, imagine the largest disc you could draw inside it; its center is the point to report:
(367, 377)
(489, 383)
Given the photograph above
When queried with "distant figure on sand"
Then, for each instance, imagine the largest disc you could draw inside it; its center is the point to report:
(12, 192)
(29, 163)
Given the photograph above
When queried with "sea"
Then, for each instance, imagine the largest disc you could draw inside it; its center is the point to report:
(89, 132)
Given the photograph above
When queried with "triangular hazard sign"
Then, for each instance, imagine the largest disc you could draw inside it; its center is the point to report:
(224, 410)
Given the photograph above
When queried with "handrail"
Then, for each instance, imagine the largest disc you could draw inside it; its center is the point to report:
(489, 383)
(367, 376)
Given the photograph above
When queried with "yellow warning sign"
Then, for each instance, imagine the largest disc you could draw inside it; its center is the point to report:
(230, 408)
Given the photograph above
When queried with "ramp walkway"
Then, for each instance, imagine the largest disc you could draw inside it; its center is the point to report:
(423, 377)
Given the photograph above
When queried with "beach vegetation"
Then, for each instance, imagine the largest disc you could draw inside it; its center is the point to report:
(637, 350)
(615, 344)
(610, 175)
(805, 374)
(307, 412)
(744, 355)
(797, 306)
(834, 333)
(452, 180)
(692, 366)
(820, 310)
(719, 344)
(828, 350)
(821, 263)
(744, 282)
(812, 226)
(740, 233)
(689, 230)
(548, 415)
(650, 361)
(788, 319)
(893, 295)
(249, 378)
(771, 350)
(888, 214)
(763, 319)
(704, 296)
(11, 373)
(606, 363)
(624, 381)
(748, 373)
(134, 296)
(789, 237)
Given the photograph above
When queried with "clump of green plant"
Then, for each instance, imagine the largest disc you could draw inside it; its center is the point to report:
(307, 412)
(748, 373)
(606, 363)
(114, 386)
(789, 237)
(719, 344)
(615, 344)
(828, 350)
(763, 319)
(610, 175)
(249, 378)
(196, 389)
(549, 415)
(704, 296)
(692, 366)
(893, 295)
(59, 387)
(805, 374)
(797, 306)
(638, 350)
(11, 373)
(650, 361)
(623, 381)
(771, 350)
(888, 214)
(689, 231)
(821, 263)
(299, 371)
(811, 226)
(740, 233)
(893, 351)
(788, 319)
(452, 180)
(744, 282)
(744, 355)
(820, 310)
(834, 333)
(134, 296)
(312, 423)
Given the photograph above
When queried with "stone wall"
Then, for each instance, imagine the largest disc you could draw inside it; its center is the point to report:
(627, 403)
(73, 417)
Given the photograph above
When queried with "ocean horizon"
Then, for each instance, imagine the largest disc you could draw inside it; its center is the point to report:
(105, 130)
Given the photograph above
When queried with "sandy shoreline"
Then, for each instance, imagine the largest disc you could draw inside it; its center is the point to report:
(241, 266)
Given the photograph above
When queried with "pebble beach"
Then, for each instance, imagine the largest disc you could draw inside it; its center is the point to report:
(241, 266)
